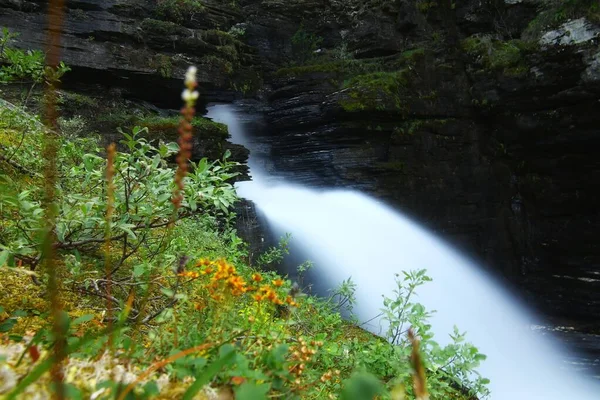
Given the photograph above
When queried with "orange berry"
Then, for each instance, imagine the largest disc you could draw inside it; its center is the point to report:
(237, 380)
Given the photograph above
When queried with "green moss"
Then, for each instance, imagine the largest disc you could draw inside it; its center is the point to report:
(165, 28)
(413, 54)
(215, 62)
(559, 13)
(178, 11)
(385, 81)
(497, 55)
(165, 127)
(76, 101)
(347, 68)
(375, 91)
(397, 166)
(219, 38)
(332, 67)
(163, 65)
(425, 6)
(168, 126)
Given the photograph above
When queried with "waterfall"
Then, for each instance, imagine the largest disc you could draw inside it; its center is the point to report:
(348, 234)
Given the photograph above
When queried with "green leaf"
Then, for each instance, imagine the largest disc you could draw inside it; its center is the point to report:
(202, 166)
(362, 387)
(227, 354)
(4, 254)
(7, 325)
(173, 147)
(163, 197)
(20, 313)
(82, 319)
(15, 338)
(252, 391)
(72, 392)
(277, 356)
(151, 389)
(139, 270)
(127, 229)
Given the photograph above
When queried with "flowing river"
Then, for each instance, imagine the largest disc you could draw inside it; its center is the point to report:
(348, 234)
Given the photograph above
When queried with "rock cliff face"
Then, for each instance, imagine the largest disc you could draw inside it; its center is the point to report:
(144, 46)
(481, 118)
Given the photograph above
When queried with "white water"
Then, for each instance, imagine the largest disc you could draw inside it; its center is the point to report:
(349, 234)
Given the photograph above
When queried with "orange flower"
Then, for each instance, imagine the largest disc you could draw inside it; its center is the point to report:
(257, 297)
(256, 277)
(278, 282)
(189, 274)
(290, 301)
(203, 262)
(271, 296)
(198, 307)
(207, 270)
(265, 288)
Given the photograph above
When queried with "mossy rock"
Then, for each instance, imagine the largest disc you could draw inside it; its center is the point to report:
(179, 11)
(559, 12)
(508, 57)
(163, 28)
(376, 91)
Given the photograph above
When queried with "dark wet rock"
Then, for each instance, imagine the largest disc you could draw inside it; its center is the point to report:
(252, 229)
(129, 44)
(493, 146)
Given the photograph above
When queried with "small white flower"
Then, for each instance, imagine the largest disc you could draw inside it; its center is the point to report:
(190, 75)
(97, 394)
(189, 95)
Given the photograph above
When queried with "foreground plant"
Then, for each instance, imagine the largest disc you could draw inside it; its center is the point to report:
(161, 300)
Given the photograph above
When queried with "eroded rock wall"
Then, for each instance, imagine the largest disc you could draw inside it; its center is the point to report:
(479, 118)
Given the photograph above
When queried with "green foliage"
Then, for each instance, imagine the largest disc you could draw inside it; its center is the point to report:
(343, 68)
(5, 39)
(425, 6)
(373, 91)
(142, 199)
(505, 56)
(179, 11)
(25, 65)
(170, 297)
(218, 63)
(274, 255)
(164, 66)
(559, 12)
(163, 28)
(304, 45)
(237, 31)
(449, 367)
(165, 127)
(342, 297)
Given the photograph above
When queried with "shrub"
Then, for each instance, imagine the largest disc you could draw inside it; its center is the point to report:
(179, 11)
(156, 279)
(304, 45)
